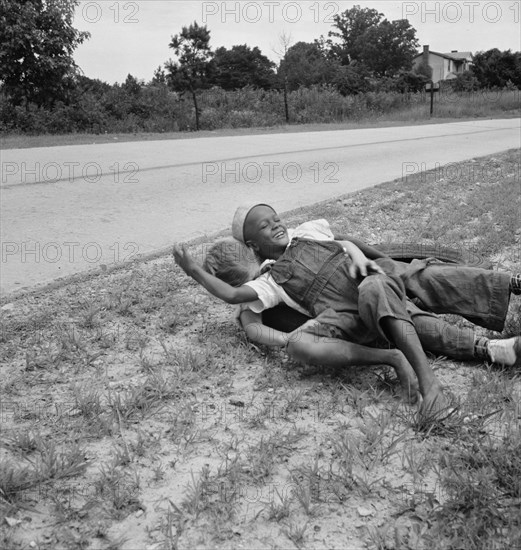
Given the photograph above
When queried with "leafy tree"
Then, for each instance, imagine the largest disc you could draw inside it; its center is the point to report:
(385, 47)
(352, 79)
(493, 68)
(352, 26)
(411, 81)
(404, 82)
(192, 70)
(159, 78)
(284, 45)
(38, 41)
(465, 82)
(424, 69)
(389, 48)
(132, 86)
(242, 66)
(91, 86)
(306, 64)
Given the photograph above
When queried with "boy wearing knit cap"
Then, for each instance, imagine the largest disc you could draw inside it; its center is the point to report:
(481, 296)
(347, 303)
(333, 288)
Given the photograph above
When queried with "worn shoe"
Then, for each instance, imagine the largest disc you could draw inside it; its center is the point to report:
(505, 352)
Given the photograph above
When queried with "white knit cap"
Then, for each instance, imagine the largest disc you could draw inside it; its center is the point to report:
(240, 217)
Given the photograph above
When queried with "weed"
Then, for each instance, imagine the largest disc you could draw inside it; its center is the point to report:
(159, 473)
(379, 537)
(53, 464)
(373, 446)
(197, 493)
(136, 341)
(23, 441)
(490, 390)
(277, 511)
(182, 422)
(189, 361)
(358, 399)
(262, 456)
(417, 461)
(118, 489)
(15, 479)
(306, 494)
(90, 316)
(147, 365)
(49, 464)
(139, 401)
(353, 467)
(88, 401)
(171, 527)
(481, 481)
(295, 402)
(296, 533)
(169, 323)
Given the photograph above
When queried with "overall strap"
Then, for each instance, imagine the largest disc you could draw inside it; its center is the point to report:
(306, 267)
(322, 278)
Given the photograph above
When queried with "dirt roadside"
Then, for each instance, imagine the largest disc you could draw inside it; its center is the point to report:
(136, 415)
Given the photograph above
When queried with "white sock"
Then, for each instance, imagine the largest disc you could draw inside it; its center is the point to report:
(503, 352)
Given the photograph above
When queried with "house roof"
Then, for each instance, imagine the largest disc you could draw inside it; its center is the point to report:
(454, 56)
(459, 55)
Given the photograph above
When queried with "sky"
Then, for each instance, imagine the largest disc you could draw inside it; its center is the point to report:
(132, 37)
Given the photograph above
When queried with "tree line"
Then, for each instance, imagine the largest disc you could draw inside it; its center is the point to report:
(42, 89)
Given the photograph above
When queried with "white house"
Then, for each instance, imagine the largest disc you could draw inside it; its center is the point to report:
(445, 66)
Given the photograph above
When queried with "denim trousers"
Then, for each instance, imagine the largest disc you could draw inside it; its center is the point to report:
(316, 275)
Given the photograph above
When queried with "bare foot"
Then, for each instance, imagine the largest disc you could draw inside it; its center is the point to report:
(436, 406)
(406, 376)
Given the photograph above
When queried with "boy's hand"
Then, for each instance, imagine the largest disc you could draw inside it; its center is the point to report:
(360, 266)
(363, 266)
(183, 259)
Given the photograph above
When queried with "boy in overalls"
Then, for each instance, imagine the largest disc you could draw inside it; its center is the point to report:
(319, 278)
(481, 296)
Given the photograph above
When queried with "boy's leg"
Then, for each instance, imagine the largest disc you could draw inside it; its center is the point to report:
(382, 307)
(435, 404)
(480, 295)
(442, 338)
(311, 348)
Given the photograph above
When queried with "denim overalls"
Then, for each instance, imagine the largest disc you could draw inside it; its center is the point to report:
(316, 275)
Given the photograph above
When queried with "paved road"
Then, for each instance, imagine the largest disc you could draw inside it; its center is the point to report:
(67, 209)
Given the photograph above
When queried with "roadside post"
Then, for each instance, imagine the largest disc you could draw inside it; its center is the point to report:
(432, 88)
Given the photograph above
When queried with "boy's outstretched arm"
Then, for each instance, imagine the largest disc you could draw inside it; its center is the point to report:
(220, 289)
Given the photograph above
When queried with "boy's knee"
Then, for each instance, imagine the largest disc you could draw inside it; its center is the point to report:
(371, 283)
(379, 285)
